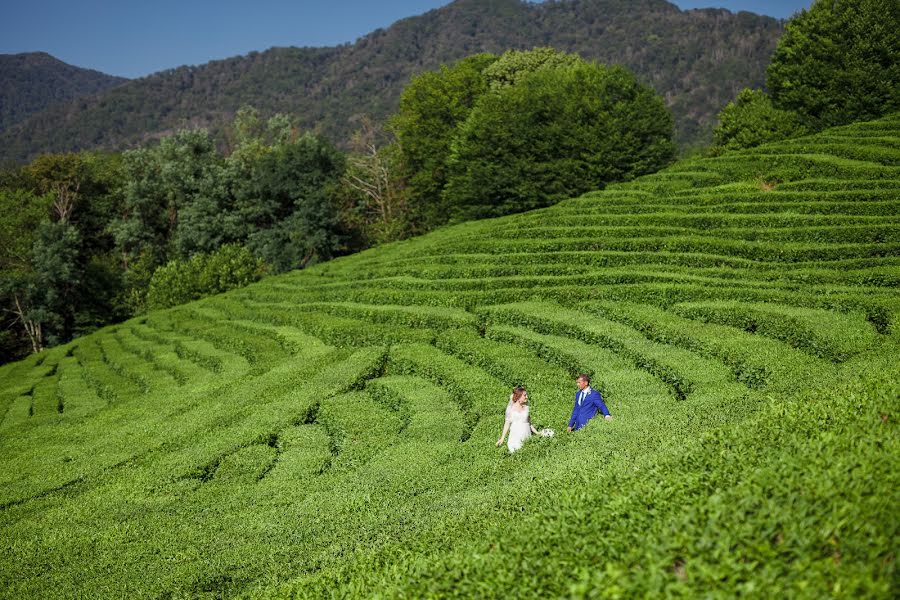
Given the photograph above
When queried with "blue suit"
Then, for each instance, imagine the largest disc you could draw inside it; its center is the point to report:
(590, 405)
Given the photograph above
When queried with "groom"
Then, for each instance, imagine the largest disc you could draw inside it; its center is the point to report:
(587, 403)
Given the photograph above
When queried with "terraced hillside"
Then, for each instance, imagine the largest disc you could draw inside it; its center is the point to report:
(331, 431)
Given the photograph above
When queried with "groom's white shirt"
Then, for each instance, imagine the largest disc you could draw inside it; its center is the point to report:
(583, 394)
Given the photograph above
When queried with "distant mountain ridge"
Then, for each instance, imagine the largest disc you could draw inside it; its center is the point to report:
(698, 60)
(32, 81)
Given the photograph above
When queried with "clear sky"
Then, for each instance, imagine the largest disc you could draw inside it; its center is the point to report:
(133, 38)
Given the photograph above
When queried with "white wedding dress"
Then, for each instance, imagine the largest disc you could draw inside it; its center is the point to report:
(519, 427)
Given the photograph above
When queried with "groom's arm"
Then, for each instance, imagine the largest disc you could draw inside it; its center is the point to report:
(601, 406)
(572, 418)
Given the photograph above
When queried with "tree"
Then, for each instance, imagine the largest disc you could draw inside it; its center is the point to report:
(24, 212)
(287, 210)
(57, 274)
(555, 134)
(432, 107)
(211, 218)
(374, 192)
(751, 120)
(515, 65)
(159, 183)
(84, 187)
(839, 62)
(58, 279)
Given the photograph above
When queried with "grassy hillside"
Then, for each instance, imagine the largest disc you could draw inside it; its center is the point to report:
(331, 431)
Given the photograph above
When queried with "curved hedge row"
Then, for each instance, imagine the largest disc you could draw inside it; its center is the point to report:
(330, 432)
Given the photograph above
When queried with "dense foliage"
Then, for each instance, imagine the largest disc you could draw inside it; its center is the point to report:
(92, 238)
(202, 275)
(330, 432)
(696, 60)
(839, 62)
(83, 234)
(433, 107)
(86, 232)
(272, 195)
(557, 132)
(751, 120)
(491, 135)
(59, 276)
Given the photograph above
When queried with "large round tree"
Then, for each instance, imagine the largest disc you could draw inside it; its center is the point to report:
(554, 134)
(839, 62)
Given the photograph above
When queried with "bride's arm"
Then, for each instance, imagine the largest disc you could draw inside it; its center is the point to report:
(505, 431)
(533, 430)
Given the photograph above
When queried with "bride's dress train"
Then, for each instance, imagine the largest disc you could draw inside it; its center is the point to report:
(519, 427)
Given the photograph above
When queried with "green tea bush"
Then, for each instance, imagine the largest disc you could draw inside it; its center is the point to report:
(44, 399)
(427, 411)
(822, 333)
(410, 316)
(163, 360)
(330, 432)
(18, 411)
(757, 362)
(358, 428)
(475, 392)
(74, 395)
(108, 378)
(684, 371)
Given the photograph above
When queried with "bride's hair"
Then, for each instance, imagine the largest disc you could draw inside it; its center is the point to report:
(517, 393)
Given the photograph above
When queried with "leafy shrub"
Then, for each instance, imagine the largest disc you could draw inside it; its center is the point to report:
(822, 333)
(751, 120)
(203, 275)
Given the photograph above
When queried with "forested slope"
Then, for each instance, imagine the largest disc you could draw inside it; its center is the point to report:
(331, 431)
(698, 60)
(31, 82)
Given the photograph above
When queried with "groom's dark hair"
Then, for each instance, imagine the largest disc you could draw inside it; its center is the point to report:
(585, 376)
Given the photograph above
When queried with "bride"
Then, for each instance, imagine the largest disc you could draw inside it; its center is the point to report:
(518, 421)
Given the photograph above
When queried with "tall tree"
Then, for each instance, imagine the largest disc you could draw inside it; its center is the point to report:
(556, 133)
(159, 183)
(57, 274)
(24, 213)
(374, 192)
(65, 283)
(287, 207)
(432, 107)
(839, 62)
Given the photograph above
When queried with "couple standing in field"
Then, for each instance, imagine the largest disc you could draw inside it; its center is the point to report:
(588, 402)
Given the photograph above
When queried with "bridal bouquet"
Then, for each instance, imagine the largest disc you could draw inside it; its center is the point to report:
(546, 432)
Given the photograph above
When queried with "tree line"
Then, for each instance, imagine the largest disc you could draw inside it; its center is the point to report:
(92, 238)
(693, 58)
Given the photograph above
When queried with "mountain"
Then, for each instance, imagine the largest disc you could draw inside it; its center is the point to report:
(330, 432)
(31, 82)
(698, 60)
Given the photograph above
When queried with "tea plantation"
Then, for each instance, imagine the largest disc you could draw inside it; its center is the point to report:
(330, 432)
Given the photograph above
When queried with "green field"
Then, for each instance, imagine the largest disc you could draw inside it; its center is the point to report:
(330, 432)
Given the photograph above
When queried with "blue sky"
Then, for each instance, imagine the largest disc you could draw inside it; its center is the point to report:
(134, 38)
